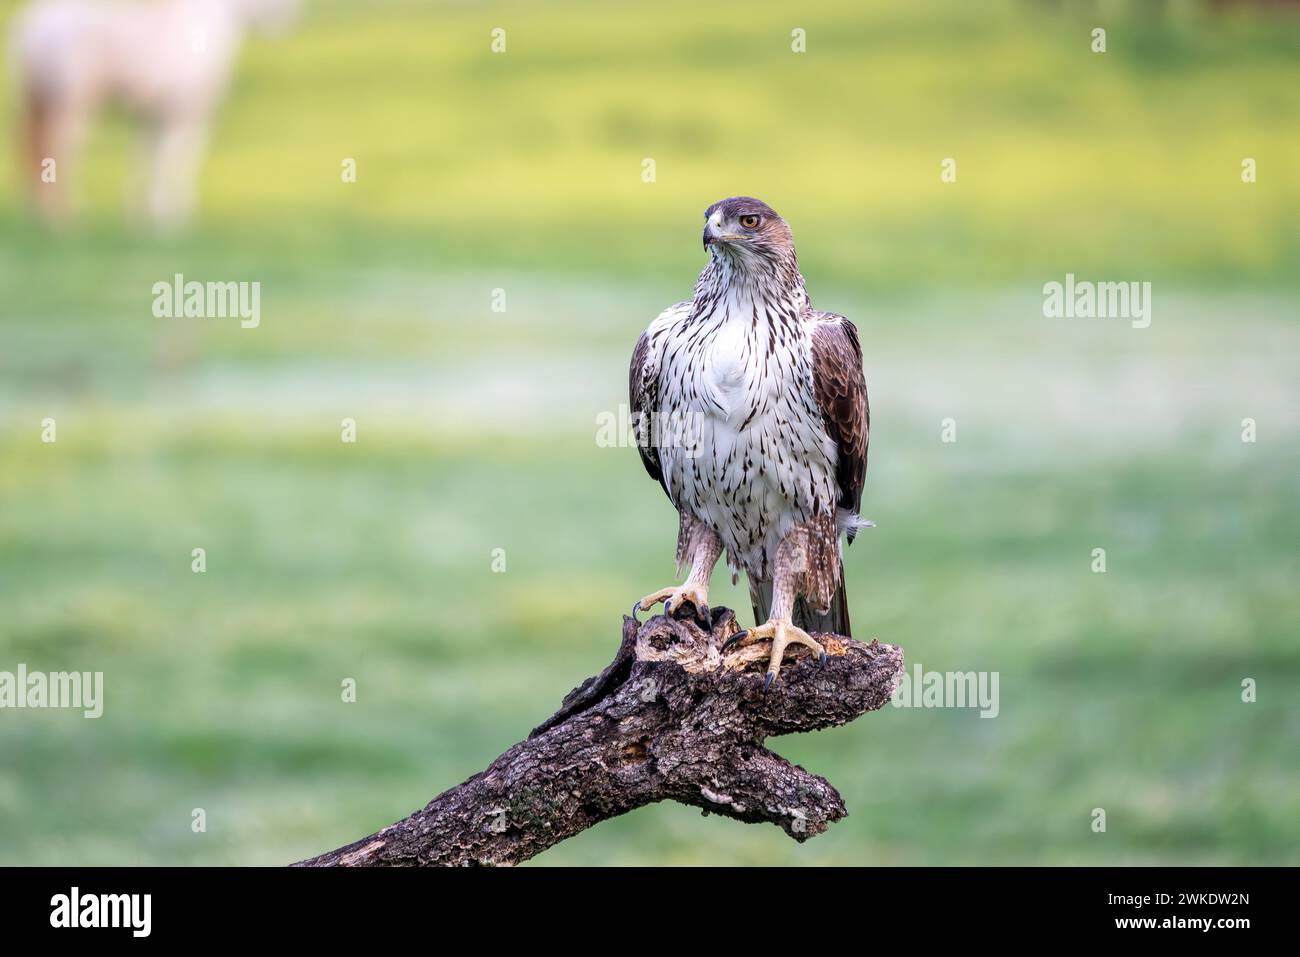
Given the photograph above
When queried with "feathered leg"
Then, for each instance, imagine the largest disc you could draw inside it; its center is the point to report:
(807, 572)
(699, 544)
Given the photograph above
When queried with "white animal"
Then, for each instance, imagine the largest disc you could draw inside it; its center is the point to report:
(168, 62)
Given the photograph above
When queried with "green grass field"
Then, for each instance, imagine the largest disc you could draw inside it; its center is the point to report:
(477, 429)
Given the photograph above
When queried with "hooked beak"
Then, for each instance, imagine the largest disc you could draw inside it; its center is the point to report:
(715, 239)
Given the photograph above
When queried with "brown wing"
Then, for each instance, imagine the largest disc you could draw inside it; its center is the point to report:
(643, 397)
(643, 387)
(841, 392)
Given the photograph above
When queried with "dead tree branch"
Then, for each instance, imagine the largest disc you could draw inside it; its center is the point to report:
(669, 719)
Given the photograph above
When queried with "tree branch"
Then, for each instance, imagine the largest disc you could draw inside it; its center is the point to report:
(670, 718)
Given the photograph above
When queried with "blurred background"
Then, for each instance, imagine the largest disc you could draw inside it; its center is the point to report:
(476, 429)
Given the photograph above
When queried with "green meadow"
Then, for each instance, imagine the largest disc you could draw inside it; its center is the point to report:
(477, 442)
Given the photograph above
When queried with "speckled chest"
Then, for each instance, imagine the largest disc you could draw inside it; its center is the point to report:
(750, 455)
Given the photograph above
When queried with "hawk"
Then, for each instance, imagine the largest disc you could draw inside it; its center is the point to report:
(751, 412)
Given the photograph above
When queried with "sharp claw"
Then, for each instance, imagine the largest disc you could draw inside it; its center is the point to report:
(636, 606)
(705, 615)
(767, 682)
(822, 659)
(734, 638)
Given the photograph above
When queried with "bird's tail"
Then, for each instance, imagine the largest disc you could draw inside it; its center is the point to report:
(760, 596)
(836, 619)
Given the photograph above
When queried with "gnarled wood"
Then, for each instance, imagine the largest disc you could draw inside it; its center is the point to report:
(671, 718)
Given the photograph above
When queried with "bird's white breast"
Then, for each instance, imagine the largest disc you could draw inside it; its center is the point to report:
(728, 370)
(755, 462)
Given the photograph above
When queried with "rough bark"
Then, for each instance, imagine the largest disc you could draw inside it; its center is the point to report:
(669, 719)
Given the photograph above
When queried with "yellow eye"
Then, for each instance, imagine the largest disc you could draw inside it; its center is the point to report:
(749, 222)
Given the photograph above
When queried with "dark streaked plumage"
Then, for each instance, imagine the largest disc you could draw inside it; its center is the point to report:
(754, 419)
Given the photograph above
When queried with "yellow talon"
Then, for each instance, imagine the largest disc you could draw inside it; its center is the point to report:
(673, 598)
(782, 634)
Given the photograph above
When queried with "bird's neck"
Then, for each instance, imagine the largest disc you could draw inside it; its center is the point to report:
(729, 280)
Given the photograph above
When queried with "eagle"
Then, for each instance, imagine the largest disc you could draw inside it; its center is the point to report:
(750, 410)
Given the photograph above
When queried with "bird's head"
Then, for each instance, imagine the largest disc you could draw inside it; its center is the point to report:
(747, 230)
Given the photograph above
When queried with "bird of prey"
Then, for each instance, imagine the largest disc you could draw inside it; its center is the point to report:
(751, 411)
